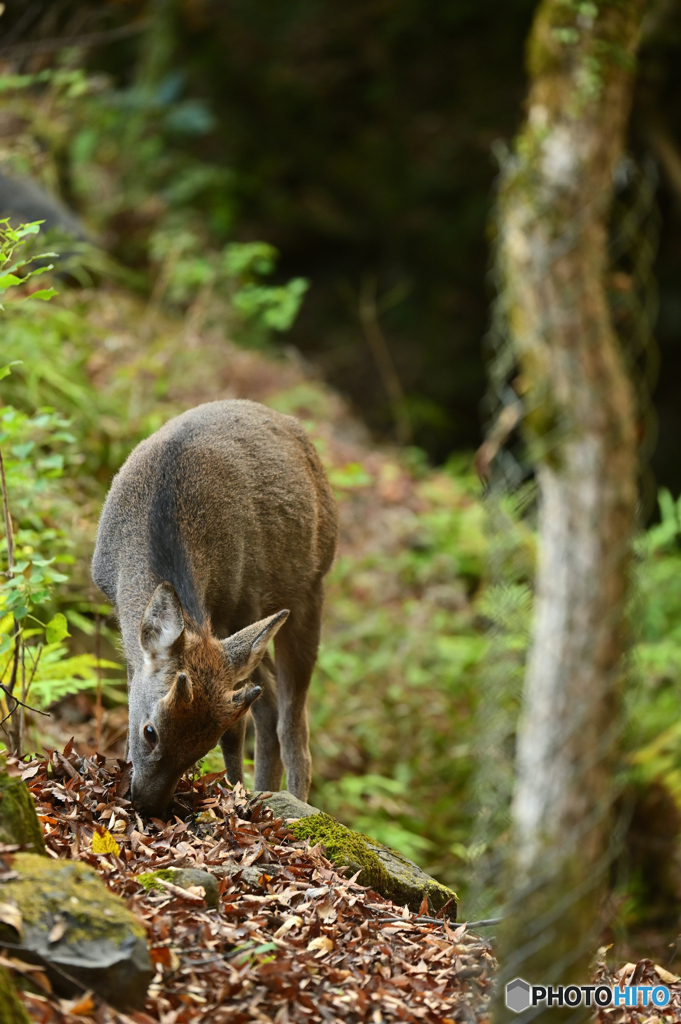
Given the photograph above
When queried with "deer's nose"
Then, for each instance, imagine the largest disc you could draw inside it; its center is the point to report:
(148, 805)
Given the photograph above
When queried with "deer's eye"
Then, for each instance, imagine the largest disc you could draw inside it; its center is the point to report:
(150, 735)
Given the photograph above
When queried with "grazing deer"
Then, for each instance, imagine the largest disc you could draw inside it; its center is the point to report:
(213, 541)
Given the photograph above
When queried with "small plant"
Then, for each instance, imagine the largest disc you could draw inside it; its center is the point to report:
(37, 663)
(189, 272)
(16, 270)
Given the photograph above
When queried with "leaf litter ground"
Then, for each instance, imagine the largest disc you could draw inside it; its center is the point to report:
(291, 940)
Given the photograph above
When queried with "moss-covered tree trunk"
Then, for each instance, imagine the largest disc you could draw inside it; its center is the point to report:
(554, 209)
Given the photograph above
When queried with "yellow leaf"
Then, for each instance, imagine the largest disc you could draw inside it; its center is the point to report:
(104, 842)
(206, 817)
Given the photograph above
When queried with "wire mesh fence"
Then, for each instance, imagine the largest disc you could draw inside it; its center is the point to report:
(508, 463)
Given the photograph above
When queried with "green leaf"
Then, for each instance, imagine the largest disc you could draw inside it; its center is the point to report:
(6, 370)
(21, 451)
(56, 629)
(29, 229)
(43, 293)
(9, 280)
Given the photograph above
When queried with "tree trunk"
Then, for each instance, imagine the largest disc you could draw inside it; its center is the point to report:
(554, 206)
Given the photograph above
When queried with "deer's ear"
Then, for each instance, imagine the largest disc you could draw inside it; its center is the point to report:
(245, 649)
(162, 622)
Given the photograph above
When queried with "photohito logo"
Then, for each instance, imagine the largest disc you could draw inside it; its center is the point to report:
(520, 995)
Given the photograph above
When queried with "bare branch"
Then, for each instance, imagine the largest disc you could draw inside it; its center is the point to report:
(368, 316)
(9, 532)
(112, 35)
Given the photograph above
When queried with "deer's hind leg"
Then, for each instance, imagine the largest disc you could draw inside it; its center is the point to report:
(296, 645)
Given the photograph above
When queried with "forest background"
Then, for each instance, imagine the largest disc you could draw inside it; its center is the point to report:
(360, 142)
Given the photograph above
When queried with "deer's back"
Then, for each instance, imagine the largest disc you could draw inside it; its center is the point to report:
(230, 504)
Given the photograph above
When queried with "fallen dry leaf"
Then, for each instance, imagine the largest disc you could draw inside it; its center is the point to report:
(11, 915)
(84, 1005)
(290, 922)
(292, 941)
(57, 930)
(322, 942)
(666, 976)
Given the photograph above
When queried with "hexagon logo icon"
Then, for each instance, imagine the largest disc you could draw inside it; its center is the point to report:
(517, 995)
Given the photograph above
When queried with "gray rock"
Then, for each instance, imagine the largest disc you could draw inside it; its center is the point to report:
(76, 928)
(408, 883)
(251, 874)
(185, 878)
(285, 805)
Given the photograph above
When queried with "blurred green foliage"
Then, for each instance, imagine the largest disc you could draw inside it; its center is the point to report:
(37, 547)
(655, 703)
(399, 692)
(392, 711)
(363, 139)
(47, 592)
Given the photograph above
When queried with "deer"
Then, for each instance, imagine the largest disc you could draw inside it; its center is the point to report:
(213, 541)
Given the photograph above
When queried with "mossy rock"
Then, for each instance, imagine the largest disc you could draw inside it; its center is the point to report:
(18, 819)
(385, 870)
(12, 1010)
(184, 877)
(78, 929)
(285, 805)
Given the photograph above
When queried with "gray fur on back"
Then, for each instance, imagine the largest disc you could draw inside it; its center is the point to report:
(229, 503)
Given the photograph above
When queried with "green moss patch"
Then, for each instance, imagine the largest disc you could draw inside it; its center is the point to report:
(18, 820)
(386, 871)
(151, 880)
(343, 846)
(46, 889)
(185, 878)
(80, 931)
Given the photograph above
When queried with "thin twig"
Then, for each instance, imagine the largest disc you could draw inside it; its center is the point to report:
(89, 39)
(9, 532)
(20, 737)
(98, 656)
(368, 317)
(18, 645)
(667, 152)
(15, 659)
(19, 703)
(423, 918)
(35, 665)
